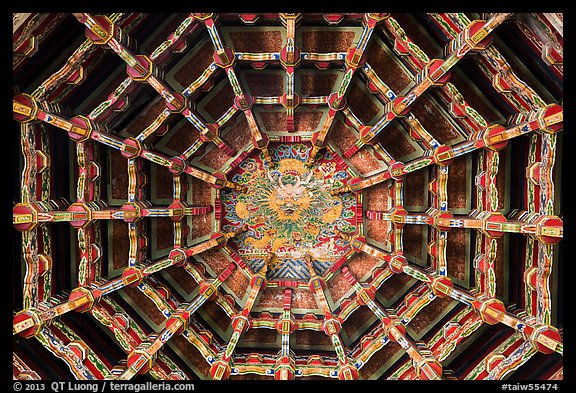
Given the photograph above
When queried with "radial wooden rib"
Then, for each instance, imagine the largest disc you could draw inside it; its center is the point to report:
(354, 57)
(427, 366)
(50, 338)
(417, 59)
(416, 130)
(432, 73)
(21, 370)
(132, 148)
(220, 369)
(142, 358)
(142, 69)
(119, 96)
(242, 100)
(399, 169)
(331, 326)
(493, 65)
(83, 298)
(290, 60)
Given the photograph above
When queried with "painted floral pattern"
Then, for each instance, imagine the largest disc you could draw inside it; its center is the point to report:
(289, 211)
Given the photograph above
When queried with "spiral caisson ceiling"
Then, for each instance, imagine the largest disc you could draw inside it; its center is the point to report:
(287, 196)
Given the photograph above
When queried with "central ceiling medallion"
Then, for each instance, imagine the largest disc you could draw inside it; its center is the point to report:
(289, 211)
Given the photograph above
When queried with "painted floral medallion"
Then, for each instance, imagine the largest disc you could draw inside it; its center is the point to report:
(289, 211)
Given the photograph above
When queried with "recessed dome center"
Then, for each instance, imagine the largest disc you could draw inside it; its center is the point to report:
(289, 211)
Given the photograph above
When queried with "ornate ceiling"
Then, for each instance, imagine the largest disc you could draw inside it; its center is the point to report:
(287, 196)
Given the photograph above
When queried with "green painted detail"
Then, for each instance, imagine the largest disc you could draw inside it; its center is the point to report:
(345, 82)
(119, 337)
(106, 104)
(416, 274)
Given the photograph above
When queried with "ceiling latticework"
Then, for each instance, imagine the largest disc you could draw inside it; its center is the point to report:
(287, 196)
